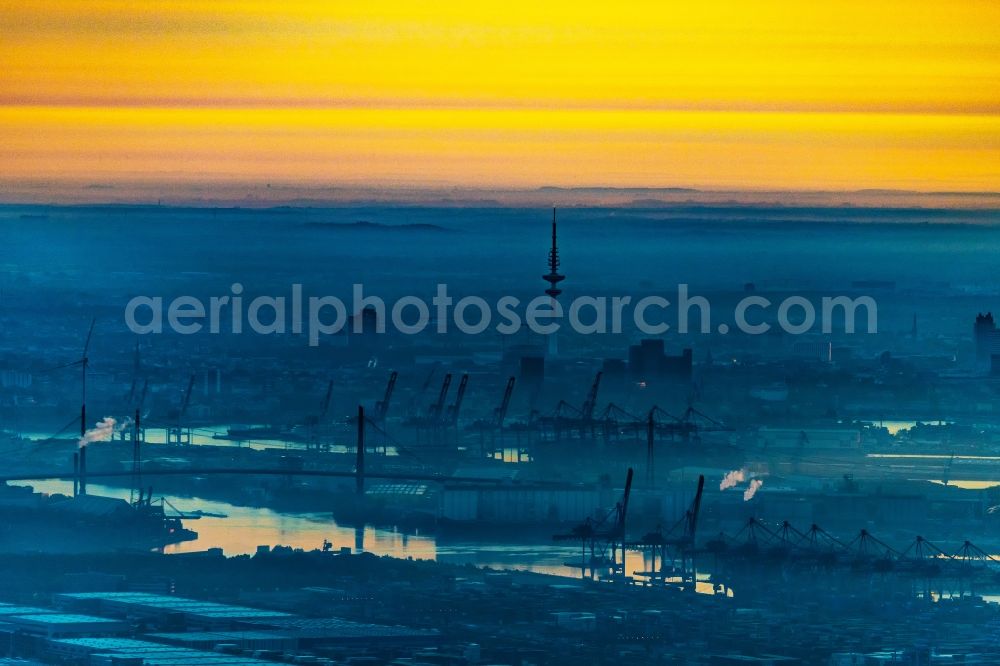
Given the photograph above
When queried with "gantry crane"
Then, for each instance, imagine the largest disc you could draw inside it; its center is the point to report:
(602, 536)
(435, 418)
(567, 419)
(671, 553)
(494, 424)
(382, 406)
(451, 414)
(437, 408)
(313, 423)
(177, 434)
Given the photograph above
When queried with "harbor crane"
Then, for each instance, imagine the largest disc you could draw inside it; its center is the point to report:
(451, 415)
(382, 406)
(567, 419)
(411, 408)
(176, 434)
(494, 424)
(500, 414)
(437, 407)
(602, 541)
(313, 422)
(671, 553)
(587, 411)
(325, 406)
(437, 415)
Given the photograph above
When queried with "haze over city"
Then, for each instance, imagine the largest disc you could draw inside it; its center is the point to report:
(523, 333)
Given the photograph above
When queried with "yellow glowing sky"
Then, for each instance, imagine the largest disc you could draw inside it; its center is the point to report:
(779, 94)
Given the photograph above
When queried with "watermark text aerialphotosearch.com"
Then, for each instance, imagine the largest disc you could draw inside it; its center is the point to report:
(319, 316)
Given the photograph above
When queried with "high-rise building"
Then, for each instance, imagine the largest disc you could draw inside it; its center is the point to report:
(647, 361)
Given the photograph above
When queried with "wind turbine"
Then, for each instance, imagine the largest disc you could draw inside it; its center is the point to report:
(80, 458)
(83, 363)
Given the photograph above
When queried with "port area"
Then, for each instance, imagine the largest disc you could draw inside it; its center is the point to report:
(332, 606)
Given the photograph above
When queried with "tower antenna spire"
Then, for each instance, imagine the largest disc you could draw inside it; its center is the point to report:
(553, 278)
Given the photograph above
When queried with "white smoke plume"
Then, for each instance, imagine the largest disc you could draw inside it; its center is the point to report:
(102, 431)
(733, 479)
(752, 489)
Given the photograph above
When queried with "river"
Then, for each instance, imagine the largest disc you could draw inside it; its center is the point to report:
(245, 528)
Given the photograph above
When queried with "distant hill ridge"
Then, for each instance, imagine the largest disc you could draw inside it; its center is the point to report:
(364, 225)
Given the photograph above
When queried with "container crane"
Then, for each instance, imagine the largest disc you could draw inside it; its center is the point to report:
(437, 408)
(176, 434)
(451, 415)
(436, 414)
(587, 411)
(312, 422)
(382, 406)
(683, 544)
(411, 407)
(500, 414)
(597, 537)
(325, 406)
(494, 424)
(566, 418)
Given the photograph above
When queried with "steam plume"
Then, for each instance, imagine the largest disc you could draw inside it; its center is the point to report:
(733, 479)
(102, 431)
(752, 489)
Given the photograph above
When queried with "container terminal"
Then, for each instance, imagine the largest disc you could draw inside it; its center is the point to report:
(559, 499)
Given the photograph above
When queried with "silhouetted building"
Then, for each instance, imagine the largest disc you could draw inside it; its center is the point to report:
(369, 325)
(613, 369)
(995, 365)
(647, 361)
(532, 371)
(987, 339)
(614, 372)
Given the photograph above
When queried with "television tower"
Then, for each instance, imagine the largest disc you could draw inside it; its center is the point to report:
(553, 278)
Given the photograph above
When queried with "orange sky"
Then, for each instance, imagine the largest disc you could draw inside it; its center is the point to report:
(777, 95)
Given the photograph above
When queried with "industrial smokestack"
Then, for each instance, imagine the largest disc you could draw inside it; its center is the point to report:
(136, 461)
(650, 437)
(359, 473)
(83, 470)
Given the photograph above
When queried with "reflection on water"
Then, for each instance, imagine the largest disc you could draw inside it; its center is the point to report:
(896, 426)
(965, 484)
(218, 436)
(930, 456)
(245, 528)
